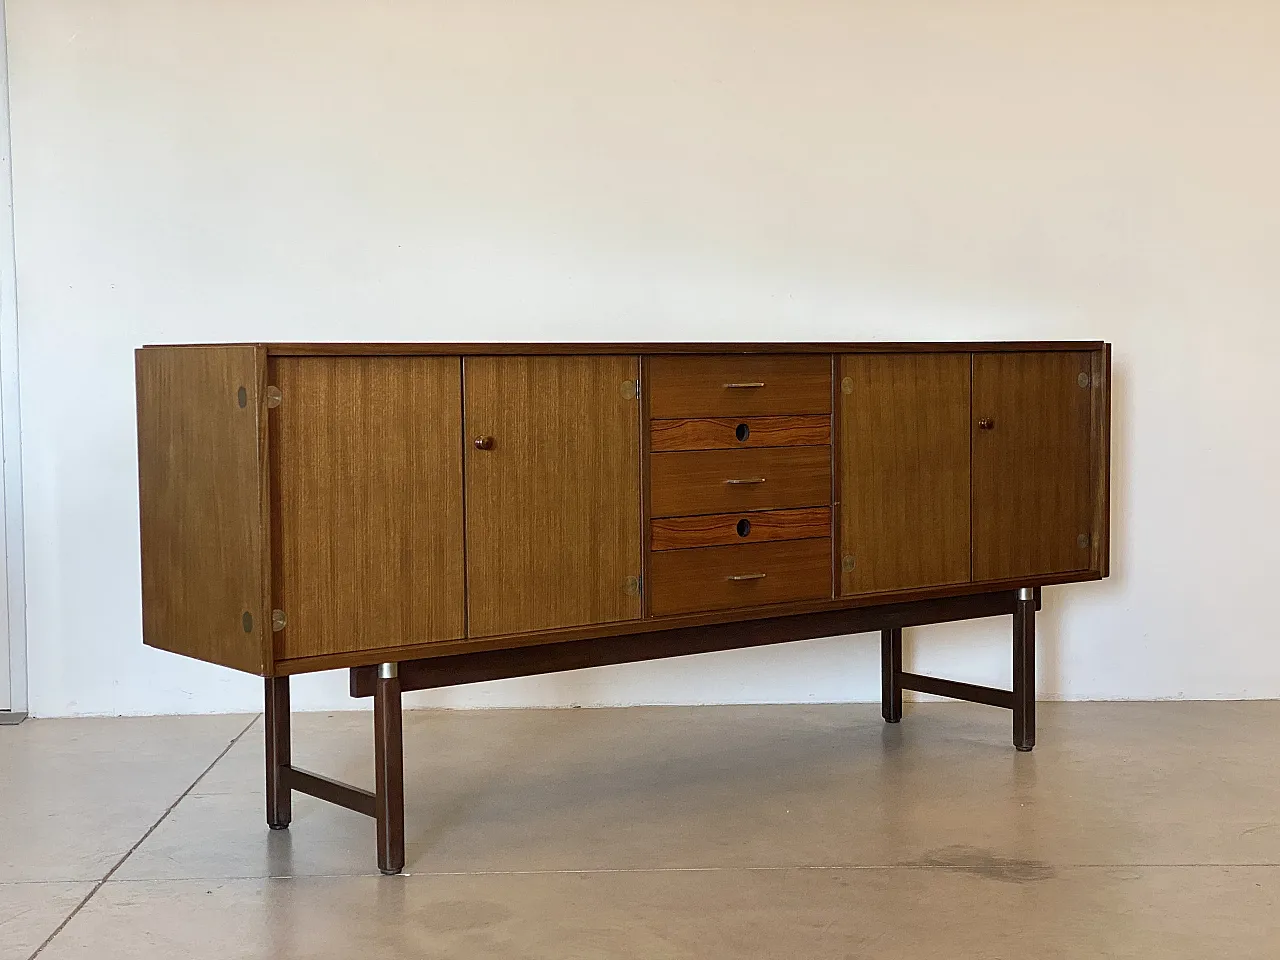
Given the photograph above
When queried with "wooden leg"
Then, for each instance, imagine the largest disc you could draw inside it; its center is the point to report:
(1024, 671)
(891, 674)
(276, 717)
(388, 747)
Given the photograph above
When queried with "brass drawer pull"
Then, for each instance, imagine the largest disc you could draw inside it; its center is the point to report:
(743, 386)
(746, 480)
(748, 576)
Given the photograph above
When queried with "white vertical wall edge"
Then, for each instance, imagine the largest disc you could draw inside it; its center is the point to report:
(13, 624)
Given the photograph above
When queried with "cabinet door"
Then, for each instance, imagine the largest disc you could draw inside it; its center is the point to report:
(1032, 500)
(553, 492)
(366, 475)
(904, 471)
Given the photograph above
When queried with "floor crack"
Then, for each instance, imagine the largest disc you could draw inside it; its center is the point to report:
(143, 839)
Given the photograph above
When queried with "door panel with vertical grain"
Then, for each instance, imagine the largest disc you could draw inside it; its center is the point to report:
(904, 471)
(1032, 476)
(553, 492)
(367, 476)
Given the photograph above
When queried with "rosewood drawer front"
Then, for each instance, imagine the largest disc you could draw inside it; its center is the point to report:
(748, 575)
(742, 386)
(729, 481)
(725, 529)
(733, 433)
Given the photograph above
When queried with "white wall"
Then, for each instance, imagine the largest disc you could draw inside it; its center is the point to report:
(675, 169)
(13, 646)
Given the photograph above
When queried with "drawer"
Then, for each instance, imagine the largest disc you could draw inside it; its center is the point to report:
(748, 575)
(739, 386)
(731, 433)
(728, 481)
(724, 529)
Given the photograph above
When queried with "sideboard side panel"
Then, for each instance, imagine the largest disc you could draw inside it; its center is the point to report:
(202, 501)
(904, 471)
(553, 503)
(367, 479)
(1100, 443)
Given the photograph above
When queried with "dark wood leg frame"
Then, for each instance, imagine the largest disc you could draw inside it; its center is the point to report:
(276, 718)
(891, 674)
(1021, 699)
(386, 684)
(388, 751)
(1024, 671)
(385, 804)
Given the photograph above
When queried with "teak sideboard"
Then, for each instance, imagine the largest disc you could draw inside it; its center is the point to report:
(429, 515)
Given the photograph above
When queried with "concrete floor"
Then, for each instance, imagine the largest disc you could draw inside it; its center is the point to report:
(1133, 830)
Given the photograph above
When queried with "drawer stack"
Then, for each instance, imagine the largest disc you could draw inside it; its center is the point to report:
(739, 481)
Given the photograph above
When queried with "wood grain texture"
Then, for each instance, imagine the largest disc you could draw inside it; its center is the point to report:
(202, 499)
(645, 488)
(1032, 480)
(740, 617)
(553, 510)
(675, 349)
(278, 750)
(1100, 445)
(687, 580)
(1024, 675)
(891, 675)
(725, 529)
(682, 484)
(956, 690)
(367, 482)
(762, 627)
(835, 472)
(234, 654)
(697, 386)
(721, 433)
(904, 471)
(388, 773)
(355, 799)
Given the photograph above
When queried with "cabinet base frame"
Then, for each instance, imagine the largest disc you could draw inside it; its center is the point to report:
(1021, 699)
(385, 804)
(386, 684)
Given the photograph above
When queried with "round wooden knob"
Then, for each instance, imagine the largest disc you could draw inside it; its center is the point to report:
(986, 423)
(484, 443)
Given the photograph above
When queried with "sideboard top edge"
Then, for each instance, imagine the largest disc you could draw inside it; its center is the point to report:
(552, 349)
